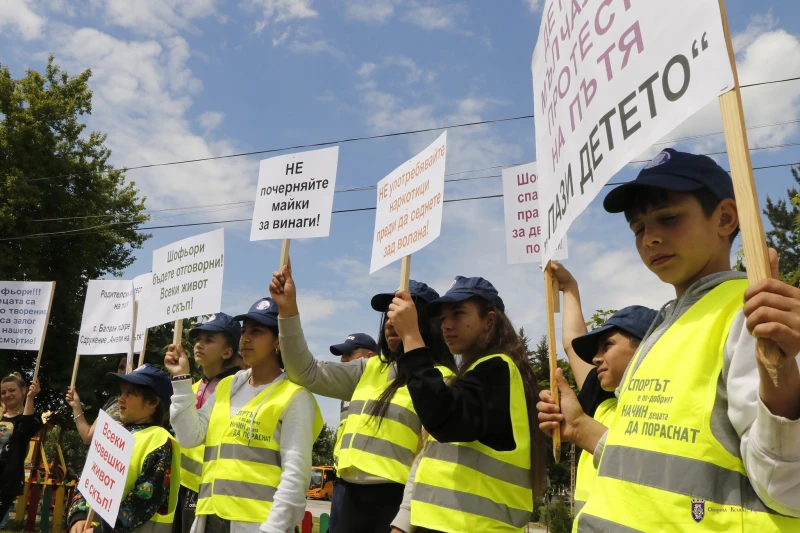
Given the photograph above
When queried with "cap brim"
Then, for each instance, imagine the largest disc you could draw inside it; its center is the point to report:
(136, 379)
(261, 319)
(380, 302)
(341, 349)
(435, 306)
(617, 200)
(586, 345)
(206, 327)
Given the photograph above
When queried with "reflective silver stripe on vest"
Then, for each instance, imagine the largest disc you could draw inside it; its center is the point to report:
(241, 452)
(479, 461)
(377, 446)
(592, 524)
(578, 506)
(210, 454)
(681, 475)
(190, 465)
(237, 489)
(398, 413)
(470, 503)
(355, 407)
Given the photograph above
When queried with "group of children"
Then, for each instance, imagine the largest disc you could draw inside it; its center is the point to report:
(681, 427)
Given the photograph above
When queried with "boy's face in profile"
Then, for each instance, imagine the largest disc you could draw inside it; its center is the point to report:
(679, 243)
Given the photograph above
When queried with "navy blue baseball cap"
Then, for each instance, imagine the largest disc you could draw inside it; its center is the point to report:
(465, 288)
(220, 323)
(634, 320)
(675, 171)
(148, 376)
(264, 311)
(380, 302)
(353, 342)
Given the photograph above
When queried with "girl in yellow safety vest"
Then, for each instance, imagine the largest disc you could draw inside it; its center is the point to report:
(258, 429)
(483, 463)
(153, 479)
(382, 432)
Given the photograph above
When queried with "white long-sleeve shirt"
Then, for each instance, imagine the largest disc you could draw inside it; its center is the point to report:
(293, 432)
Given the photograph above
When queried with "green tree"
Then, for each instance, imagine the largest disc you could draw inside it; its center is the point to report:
(784, 216)
(322, 452)
(52, 168)
(599, 318)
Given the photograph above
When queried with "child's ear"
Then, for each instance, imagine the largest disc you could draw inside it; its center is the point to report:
(227, 354)
(728, 217)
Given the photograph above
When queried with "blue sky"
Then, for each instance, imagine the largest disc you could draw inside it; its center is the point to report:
(185, 79)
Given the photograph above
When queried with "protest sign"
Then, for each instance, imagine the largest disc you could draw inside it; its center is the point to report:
(523, 218)
(106, 325)
(187, 278)
(294, 196)
(609, 79)
(409, 209)
(142, 286)
(102, 482)
(24, 312)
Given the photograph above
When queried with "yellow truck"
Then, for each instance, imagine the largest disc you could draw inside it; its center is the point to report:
(321, 487)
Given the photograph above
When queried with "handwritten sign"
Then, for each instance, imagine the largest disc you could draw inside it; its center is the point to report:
(294, 196)
(102, 482)
(107, 318)
(409, 210)
(23, 313)
(187, 278)
(609, 79)
(523, 218)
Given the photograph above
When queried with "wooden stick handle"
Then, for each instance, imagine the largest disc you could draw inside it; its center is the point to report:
(753, 238)
(44, 331)
(133, 336)
(177, 335)
(144, 349)
(75, 370)
(405, 272)
(556, 294)
(284, 252)
(89, 519)
(551, 350)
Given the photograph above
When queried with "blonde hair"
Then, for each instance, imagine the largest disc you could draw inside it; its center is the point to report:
(14, 377)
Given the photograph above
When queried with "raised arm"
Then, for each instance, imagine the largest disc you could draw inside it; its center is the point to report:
(572, 322)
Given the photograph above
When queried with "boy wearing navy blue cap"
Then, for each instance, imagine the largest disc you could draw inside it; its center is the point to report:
(695, 399)
(355, 346)
(143, 403)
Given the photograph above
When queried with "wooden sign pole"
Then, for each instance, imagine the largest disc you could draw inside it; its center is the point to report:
(89, 520)
(44, 331)
(144, 349)
(284, 252)
(177, 335)
(405, 272)
(75, 370)
(129, 364)
(753, 238)
(551, 284)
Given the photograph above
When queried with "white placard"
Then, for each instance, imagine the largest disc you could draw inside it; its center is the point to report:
(142, 288)
(107, 318)
(523, 218)
(609, 80)
(23, 313)
(187, 278)
(102, 482)
(294, 196)
(409, 209)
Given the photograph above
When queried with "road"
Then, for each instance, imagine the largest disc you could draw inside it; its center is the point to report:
(317, 507)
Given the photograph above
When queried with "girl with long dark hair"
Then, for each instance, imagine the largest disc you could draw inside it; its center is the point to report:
(382, 432)
(483, 461)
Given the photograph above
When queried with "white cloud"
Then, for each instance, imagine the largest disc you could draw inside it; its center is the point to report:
(142, 94)
(155, 17)
(277, 41)
(316, 47)
(758, 24)
(366, 69)
(533, 5)
(283, 10)
(371, 11)
(210, 120)
(19, 17)
(435, 17)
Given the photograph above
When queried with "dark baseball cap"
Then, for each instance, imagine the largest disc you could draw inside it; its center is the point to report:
(148, 376)
(264, 311)
(634, 320)
(380, 302)
(674, 171)
(353, 342)
(220, 323)
(464, 288)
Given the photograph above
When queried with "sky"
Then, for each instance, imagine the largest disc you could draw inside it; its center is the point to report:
(189, 79)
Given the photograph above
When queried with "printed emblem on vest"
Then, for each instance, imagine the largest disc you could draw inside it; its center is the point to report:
(698, 510)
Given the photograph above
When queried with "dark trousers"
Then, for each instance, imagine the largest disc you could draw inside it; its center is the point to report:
(184, 514)
(6, 501)
(369, 508)
(336, 505)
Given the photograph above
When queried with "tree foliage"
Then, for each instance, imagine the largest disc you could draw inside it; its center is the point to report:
(784, 215)
(322, 452)
(55, 177)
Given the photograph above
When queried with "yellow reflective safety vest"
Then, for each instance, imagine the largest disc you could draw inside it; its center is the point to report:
(146, 441)
(662, 467)
(384, 448)
(466, 486)
(338, 445)
(242, 460)
(192, 461)
(586, 470)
